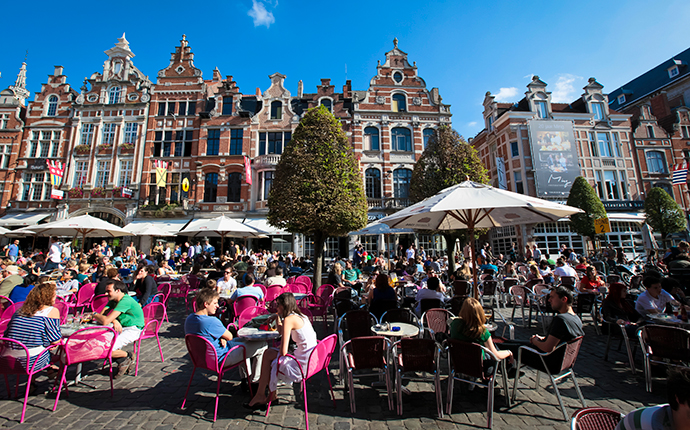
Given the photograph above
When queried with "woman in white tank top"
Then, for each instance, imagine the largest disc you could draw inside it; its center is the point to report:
(292, 325)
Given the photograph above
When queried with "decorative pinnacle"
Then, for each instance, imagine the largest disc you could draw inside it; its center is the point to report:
(395, 42)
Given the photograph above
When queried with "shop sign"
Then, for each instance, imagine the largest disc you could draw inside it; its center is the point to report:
(374, 216)
(624, 205)
(39, 164)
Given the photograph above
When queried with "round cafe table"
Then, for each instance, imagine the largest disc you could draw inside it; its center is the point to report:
(251, 333)
(406, 330)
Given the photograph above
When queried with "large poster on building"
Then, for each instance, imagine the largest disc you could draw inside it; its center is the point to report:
(554, 157)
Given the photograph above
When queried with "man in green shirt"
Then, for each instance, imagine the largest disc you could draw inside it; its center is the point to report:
(350, 276)
(127, 318)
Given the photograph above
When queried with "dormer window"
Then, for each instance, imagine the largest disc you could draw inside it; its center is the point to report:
(673, 72)
(542, 110)
(276, 110)
(598, 111)
(328, 104)
(397, 77)
(621, 99)
(52, 105)
(399, 104)
(114, 95)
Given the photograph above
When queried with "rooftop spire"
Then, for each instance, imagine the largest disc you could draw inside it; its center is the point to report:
(395, 42)
(19, 87)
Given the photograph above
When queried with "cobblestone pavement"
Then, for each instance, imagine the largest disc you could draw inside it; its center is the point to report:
(152, 399)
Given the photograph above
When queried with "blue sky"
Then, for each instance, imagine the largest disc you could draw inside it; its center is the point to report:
(463, 48)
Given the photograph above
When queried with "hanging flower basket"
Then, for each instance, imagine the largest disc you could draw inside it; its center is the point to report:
(103, 149)
(127, 148)
(82, 149)
(117, 192)
(98, 193)
(75, 193)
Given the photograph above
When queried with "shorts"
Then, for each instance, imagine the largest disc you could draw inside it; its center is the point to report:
(128, 335)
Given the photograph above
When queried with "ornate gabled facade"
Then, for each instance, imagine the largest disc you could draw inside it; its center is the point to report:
(12, 120)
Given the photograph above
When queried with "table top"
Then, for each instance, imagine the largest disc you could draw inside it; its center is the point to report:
(406, 330)
(251, 333)
(63, 293)
(68, 329)
(667, 319)
(299, 296)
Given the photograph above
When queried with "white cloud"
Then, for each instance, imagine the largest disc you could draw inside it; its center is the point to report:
(472, 124)
(564, 91)
(260, 15)
(506, 94)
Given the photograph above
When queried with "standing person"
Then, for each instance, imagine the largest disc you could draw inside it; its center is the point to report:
(536, 253)
(13, 250)
(166, 252)
(191, 251)
(513, 253)
(131, 250)
(410, 253)
(54, 254)
(197, 248)
(127, 318)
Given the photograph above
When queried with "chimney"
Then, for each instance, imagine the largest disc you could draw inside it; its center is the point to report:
(325, 82)
(58, 71)
(216, 75)
(347, 88)
(300, 89)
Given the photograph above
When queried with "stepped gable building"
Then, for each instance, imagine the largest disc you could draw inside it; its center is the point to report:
(659, 102)
(12, 118)
(538, 148)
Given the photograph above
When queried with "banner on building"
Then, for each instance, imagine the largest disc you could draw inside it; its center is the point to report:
(161, 172)
(127, 193)
(247, 171)
(57, 194)
(554, 156)
(501, 173)
(680, 173)
(56, 170)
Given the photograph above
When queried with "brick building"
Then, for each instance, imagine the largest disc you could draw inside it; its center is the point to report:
(537, 147)
(12, 117)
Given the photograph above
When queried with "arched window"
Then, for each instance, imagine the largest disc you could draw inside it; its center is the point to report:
(211, 187)
(372, 180)
(401, 183)
(276, 110)
(402, 139)
(234, 186)
(399, 104)
(666, 187)
(427, 133)
(656, 162)
(371, 138)
(327, 104)
(114, 95)
(52, 105)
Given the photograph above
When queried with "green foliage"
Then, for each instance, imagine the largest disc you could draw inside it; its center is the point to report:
(583, 196)
(447, 160)
(663, 213)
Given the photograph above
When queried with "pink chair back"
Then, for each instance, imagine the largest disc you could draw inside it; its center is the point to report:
(306, 280)
(263, 288)
(3, 326)
(325, 291)
(290, 280)
(153, 312)
(11, 310)
(202, 353)
(194, 282)
(272, 292)
(320, 356)
(98, 303)
(249, 313)
(64, 311)
(294, 288)
(179, 289)
(243, 303)
(165, 288)
(5, 302)
(85, 294)
(88, 344)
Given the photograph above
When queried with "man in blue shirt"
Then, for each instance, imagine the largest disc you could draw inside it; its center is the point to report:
(248, 290)
(13, 250)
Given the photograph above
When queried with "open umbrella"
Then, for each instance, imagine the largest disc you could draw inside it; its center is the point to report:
(220, 227)
(4, 230)
(470, 205)
(376, 228)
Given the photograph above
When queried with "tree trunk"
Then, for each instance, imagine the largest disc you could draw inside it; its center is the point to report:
(319, 241)
(450, 250)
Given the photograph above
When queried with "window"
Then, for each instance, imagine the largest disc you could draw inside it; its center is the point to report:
(227, 105)
(164, 148)
(397, 77)
(191, 108)
(4, 121)
(81, 170)
(114, 95)
(36, 186)
(427, 134)
(236, 136)
(171, 109)
(650, 132)
(5, 156)
(276, 110)
(673, 72)
(87, 134)
(161, 108)
(234, 187)
(593, 143)
(183, 143)
(276, 142)
(617, 148)
(211, 187)
(542, 110)
(490, 123)
(213, 142)
(131, 129)
(604, 145)
(399, 104)
(611, 184)
(519, 187)
(665, 186)
(514, 149)
(621, 99)
(598, 111)
(52, 105)
(45, 144)
(685, 131)
(656, 162)
(176, 192)
(372, 181)
(108, 134)
(401, 183)
(371, 139)
(328, 104)
(624, 185)
(402, 139)
(600, 185)
(266, 182)
(126, 169)
(102, 174)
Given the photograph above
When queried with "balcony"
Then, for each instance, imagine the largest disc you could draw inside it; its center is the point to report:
(388, 203)
(266, 160)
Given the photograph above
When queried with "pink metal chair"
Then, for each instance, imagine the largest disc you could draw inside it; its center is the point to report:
(595, 419)
(295, 288)
(262, 287)
(250, 313)
(272, 292)
(98, 303)
(15, 360)
(319, 360)
(87, 344)
(85, 295)
(306, 280)
(154, 313)
(204, 355)
(242, 303)
(11, 309)
(64, 311)
(180, 290)
(4, 303)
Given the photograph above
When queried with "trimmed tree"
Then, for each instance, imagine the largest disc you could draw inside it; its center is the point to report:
(447, 160)
(318, 188)
(663, 213)
(583, 196)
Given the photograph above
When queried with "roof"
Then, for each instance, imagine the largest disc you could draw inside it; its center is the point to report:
(651, 81)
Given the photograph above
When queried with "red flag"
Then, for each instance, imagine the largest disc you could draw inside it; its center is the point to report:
(247, 171)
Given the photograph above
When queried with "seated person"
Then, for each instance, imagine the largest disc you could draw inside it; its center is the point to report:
(241, 266)
(203, 324)
(248, 290)
(12, 277)
(165, 269)
(591, 282)
(534, 276)
(83, 276)
(69, 282)
(124, 272)
(615, 308)
(112, 274)
(127, 318)
(278, 279)
(509, 270)
(563, 269)
(545, 272)
(381, 291)
(145, 286)
(227, 282)
(350, 277)
(432, 291)
(673, 415)
(655, 299)
(582, 263)
(21, 292)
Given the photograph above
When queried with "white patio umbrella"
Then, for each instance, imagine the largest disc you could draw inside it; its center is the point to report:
(470, 205)
(220, 227)
(147, 229)
(4, 230)
(377, 227)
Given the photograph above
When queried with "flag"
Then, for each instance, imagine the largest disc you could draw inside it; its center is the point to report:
(161, 172)
(247, 171)
(56, 171)
(127, 193)
(680, 173)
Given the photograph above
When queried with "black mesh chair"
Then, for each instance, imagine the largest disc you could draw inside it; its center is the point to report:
(665, 345)
(379, 307)
(426, 304)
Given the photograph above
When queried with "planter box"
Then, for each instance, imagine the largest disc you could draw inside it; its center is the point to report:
(104, 149)
(126, 150)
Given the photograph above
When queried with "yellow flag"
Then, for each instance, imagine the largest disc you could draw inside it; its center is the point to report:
(161, 172)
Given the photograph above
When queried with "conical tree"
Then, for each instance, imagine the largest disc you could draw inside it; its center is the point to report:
(447, 160)
(583, 196)
(663, 213)
(318, 188)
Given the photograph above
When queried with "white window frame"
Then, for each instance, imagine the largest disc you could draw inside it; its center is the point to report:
(87, 132)
(81, 173)
(367, 141)
(108, 134)
(538, 105)
(673, 71)
(5, 155)
(598, 111)
(661, 159)
(131, 130)
(102, 173)
(35, 186)
(621, 99)
(126, 170)
(52, 105)
(4, 121)
(114, 94)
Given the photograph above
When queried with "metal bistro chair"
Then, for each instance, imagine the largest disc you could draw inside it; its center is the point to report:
(401, 315)
(619, 331)
(663, 345)
(154, 313)
(437, 320)
(595, 419)
(363, 353)
(355, 323)
(418, 355)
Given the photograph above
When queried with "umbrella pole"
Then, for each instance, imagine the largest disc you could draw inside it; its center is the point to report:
(33, 244)
(473, 252)
(222, 244)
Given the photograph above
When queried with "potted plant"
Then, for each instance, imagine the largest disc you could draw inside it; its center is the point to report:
(75, 193)
(82, 149)
(127, 148)
(104, 148)
(98, 192)
(117, 192)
